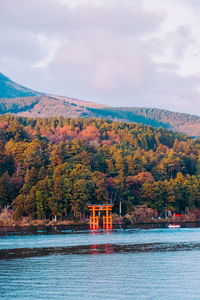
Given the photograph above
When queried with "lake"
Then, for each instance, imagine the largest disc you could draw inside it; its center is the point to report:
(121, 264)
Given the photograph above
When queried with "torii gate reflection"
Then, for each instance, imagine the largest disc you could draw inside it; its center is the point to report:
(107, 219)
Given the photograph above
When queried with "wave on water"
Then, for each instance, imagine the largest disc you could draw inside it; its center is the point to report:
(97, 249)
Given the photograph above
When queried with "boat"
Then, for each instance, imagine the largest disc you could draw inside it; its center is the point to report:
(174, 226)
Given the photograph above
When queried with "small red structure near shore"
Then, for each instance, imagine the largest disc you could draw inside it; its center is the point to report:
(178, 215)
(94, 219)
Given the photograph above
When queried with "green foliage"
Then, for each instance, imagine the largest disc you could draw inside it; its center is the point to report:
(53, 167)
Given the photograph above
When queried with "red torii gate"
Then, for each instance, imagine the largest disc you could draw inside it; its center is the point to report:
(107, 219)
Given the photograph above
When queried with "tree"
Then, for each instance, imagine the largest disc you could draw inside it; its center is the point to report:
(100, 188)
(120, 179)
(80, 196)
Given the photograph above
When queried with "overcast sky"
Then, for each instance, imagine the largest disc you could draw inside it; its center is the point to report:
(117, 52)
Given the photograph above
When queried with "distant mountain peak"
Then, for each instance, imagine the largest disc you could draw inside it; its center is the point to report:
(11, 89)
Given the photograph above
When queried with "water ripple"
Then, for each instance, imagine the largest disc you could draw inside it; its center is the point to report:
(97, 249)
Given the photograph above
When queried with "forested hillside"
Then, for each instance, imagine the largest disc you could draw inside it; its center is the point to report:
(17, 105)
(57, 166)
(181, 122)
(22, 101)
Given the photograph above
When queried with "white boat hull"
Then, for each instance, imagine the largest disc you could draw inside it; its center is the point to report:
(174, 226)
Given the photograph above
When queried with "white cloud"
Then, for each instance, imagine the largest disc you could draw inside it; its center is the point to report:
(50, 47)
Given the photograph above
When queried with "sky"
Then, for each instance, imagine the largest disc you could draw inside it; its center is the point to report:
(116, 52)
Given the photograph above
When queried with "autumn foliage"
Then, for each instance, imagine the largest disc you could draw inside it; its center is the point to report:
(55, 167)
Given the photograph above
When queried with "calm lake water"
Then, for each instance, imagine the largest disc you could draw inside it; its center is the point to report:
(122, 264)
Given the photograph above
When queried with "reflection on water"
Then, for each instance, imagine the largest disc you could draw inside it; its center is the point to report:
(123, 264)
(73, 229)
(100, 249)
(141, 275)
(97, 249)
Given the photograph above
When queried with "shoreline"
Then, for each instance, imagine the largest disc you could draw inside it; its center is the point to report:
(73, 227)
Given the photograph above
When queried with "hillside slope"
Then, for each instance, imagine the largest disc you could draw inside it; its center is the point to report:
(11, 89)
(22, 101)
(184, 123)
(47, 106)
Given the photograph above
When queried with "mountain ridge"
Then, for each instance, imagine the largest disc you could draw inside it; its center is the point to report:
(11, 89)
(22, 101)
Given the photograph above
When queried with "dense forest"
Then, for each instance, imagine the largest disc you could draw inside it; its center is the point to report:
(56, 166)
